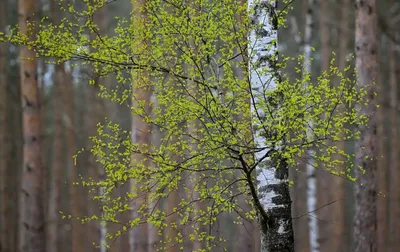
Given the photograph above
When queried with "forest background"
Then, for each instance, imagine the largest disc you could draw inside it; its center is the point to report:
(71, 110)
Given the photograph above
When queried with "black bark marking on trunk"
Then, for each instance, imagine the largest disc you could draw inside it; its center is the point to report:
(279, 232)
(275, 219)
(369, 10)
(26, 225)
(28, 103)
(28, 168)
(27, 75)
(38, 229)
(26, 193)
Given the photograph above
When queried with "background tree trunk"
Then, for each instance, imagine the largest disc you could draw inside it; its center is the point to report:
(383, 163)
(395, 110)
(173, 221)
(32, 212)
(75, 203)
(298, 175)
(5, 236)
(394, 178)
(140, 135)
(338, 231)
(54, 203)
(324, 185)
(365, 223)
(101, 19)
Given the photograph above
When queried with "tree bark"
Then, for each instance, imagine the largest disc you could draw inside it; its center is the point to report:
(338, 233)
(394, 179)
(70, 131)
(273, 201)
(5, 184)
(96, 112)
(311, 175)
(365, 223)
(153, 232)
(173, 221)
(32, 236)
(101, 20)
(140, 135)
(324, 32)
(54, 203)
(75, 198)
(4, 134)
(299, 176)
(324, 184)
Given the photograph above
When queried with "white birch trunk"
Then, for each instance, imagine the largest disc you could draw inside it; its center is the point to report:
(273, 192)
(103, 226)
(311, 176)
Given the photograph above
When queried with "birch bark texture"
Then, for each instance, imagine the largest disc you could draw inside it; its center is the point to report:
(273, 203)
(365, 219)
(32, 232)
(310, 169)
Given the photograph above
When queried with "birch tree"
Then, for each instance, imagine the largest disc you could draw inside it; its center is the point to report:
(272, 176)
(217, 167)
(310, 166)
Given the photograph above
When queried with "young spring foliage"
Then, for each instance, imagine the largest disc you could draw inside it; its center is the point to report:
(192, 56)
